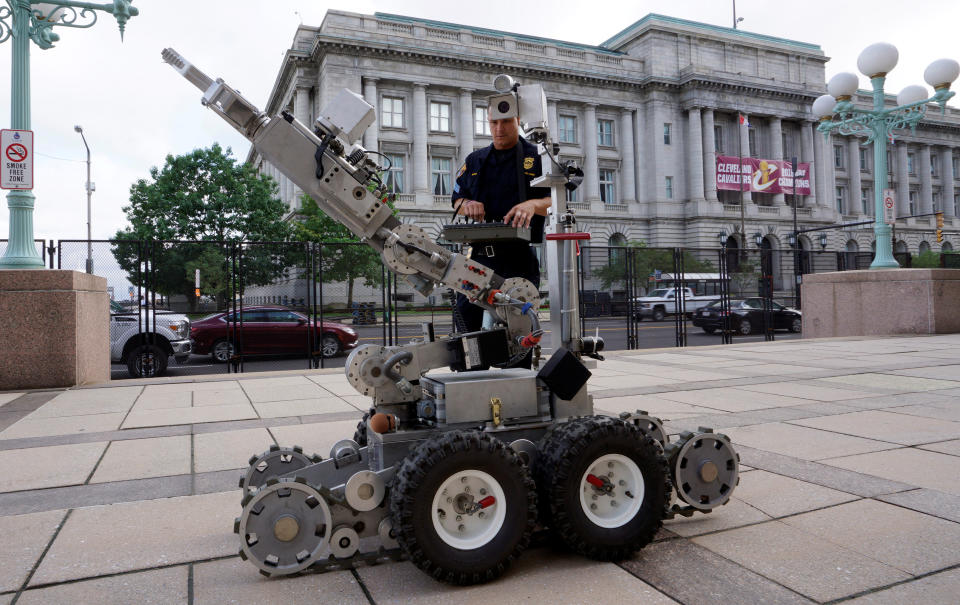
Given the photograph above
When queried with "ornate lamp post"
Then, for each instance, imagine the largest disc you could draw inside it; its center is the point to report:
(22, 21)
(837, 112)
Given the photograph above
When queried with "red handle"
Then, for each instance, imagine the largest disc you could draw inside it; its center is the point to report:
(568, 236)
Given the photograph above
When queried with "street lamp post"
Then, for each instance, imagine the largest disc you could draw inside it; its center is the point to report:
(837, 112)
(89, 193)
(23, 21)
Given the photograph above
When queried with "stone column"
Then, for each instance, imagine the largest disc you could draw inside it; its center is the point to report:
(642, 156)
(745, 152)
(694, 155)
(628, 193)
(821, 159)
(709, 156)
(903, 180)
(591, 182)
(301, 111)
(946, 181)
(926, 188)
(372, 136)
(809, 153)
(553, 121)
(421, 165)
(776, 149)
(854, 184)
(465, 136)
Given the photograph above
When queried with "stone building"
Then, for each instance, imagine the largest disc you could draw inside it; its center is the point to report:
(646, 113)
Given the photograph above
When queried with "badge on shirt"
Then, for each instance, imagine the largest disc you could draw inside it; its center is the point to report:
(527, 163)
(462, 170)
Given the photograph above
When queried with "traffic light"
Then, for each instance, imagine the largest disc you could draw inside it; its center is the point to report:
(939, 227)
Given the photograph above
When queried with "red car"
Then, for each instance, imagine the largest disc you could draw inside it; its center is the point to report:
(268, 331)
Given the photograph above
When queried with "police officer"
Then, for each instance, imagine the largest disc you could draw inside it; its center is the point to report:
(494, 185)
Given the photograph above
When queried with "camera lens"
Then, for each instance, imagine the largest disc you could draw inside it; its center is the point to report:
(503, 107)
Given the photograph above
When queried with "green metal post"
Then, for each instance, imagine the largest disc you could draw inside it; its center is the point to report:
(883, 258)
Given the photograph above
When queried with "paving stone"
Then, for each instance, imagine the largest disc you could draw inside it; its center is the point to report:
(625, 382)
(60, 407)
(6, 398)
(692, 574)
(151, 400)
(894, 381)
(778, 496)
(48, 466)
(947, 373)
(159, 586)
(339, 386)
(219, 397)
(539, 576)
(732, 399)
(216, 481)
(141, 535)
(735, 513)
(884, 425)
(40, 427)
(194, 415)
(239, 582)
(943, 410)
(685, 374)
(804, 390)
(905, 539)
(802, 442)
(301, 407)
(315, 438)
(206, 385)
(143, 458)
(941, 587)
(228, 449)
(111, 394)
(944, 447)
(24, 538)
(800, 561)
(777, 369)
(77, 496)
(898, 400)
(915, 467)
(652, 404)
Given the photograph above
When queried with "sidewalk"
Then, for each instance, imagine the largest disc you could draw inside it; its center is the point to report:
(850, 485)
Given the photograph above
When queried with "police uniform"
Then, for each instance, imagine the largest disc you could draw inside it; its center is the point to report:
(500, 179)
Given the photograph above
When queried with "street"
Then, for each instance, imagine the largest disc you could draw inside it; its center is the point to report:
(650, 335)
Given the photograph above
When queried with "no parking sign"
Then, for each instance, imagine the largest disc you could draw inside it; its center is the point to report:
(889, 207)
(16, 147)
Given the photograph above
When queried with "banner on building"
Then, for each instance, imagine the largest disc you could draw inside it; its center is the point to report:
(761, 176)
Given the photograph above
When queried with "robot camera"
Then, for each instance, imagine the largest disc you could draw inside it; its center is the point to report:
(502, 106)
(503, 83)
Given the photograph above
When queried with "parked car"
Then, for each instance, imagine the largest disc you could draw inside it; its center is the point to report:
(663, 301)
(268, 331)
(145, 339)
(746, 316)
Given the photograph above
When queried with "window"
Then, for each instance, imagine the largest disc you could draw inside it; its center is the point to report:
(955, 162)
(841, 194)
(440, 173)
(605, 133)
(865, 201)
(481, 125)
(913, 202)
(439, 116)
(391, 114)
(614, 253)
(864, 163)
(668, 185)
(568, 129)
(752, 142)
(718, 139)
(606, 187)
(911, 165)
(838, 156)
(934, 162)
(936, 201)
(956, 204)
(394, 176)
(666, 133)
(572, 196)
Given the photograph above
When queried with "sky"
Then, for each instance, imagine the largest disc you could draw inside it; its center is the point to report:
(135, 109)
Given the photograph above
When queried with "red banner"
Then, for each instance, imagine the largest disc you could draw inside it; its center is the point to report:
(761, 176)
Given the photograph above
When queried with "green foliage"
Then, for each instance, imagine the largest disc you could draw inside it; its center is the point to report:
(203, 195)
(744, 278)
(645, 262)
(926, 260)
(342, 257)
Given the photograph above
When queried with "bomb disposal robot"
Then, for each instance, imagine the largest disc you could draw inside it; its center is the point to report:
(455, 470)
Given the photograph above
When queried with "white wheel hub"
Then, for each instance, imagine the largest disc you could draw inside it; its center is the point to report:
(469, 509)
(611, 490)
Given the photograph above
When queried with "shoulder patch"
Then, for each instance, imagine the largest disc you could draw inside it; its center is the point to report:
(527, 163)
(462, 170)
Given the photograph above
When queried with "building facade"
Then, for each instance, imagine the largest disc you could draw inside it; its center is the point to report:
(646, 113)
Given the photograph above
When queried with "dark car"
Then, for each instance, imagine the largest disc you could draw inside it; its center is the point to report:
(268, 331)
(746, 316)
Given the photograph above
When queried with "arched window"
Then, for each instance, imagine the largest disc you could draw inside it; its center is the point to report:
(947, 247)
(615, 252)
(924, 247)
(850, 256)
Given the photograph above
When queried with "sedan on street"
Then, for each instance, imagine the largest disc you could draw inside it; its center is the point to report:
(268, 331)
(746, 316)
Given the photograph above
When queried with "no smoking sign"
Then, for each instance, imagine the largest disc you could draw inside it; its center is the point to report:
(889, 207)
(17, 159)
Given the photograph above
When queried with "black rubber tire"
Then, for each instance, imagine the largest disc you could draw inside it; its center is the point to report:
(425, 469)
(658, 314)
(709, 330)
(360, 435)
(330, 345)
(744, 327)
(137, 357)
(213, 350)
(565, 456)
(796, 325)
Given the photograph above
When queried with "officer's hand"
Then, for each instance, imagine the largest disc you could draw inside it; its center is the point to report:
(521, 214)
(472, 209)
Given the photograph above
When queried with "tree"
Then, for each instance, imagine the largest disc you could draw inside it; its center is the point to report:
(343, 257)
(645, 262)
(207, 196)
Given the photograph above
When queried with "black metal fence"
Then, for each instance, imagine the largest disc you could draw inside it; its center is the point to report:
(39, 243)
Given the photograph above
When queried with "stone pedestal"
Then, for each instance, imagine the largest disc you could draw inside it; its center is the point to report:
(54, 329)
(881, 302)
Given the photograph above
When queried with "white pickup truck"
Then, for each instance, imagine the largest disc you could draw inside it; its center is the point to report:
(663, 301)
(146, 353)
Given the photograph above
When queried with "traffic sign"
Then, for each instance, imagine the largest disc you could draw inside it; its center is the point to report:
(17, 159)
(889, 207)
